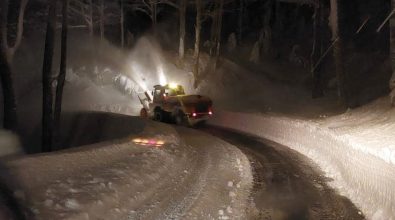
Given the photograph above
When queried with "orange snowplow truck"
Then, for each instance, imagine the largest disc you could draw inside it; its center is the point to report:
(169, 103)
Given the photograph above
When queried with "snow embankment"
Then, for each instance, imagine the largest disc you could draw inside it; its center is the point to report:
(356, 150)
(191, 176)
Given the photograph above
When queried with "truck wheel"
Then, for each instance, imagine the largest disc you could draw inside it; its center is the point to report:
(143, 113)
(158, 115)
(180, 118)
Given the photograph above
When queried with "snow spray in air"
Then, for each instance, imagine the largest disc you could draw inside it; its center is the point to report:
(147, 66)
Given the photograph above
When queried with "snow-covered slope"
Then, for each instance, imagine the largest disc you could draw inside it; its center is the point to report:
(363, 172)
(193, 175)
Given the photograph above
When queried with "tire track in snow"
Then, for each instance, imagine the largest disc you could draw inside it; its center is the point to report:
(182, 207)
(291, 188)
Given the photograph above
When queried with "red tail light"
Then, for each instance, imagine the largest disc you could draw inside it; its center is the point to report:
(194, 114)
(210, 113)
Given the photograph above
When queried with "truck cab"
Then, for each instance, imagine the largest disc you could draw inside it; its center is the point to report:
(161, 92)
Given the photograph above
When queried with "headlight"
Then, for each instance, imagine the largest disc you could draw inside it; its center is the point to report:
(173, 85)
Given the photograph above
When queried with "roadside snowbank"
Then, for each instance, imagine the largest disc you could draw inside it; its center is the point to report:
(10, 143)
(192, 176)
(355, 149)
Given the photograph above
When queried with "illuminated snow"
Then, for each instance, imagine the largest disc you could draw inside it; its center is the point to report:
(356, 149)
(162, 77)
(121, 179)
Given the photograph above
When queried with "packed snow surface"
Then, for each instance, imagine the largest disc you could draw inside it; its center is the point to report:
(192, 175)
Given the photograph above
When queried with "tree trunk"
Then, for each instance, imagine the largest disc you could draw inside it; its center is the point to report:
(219, 30)
(267, 29)
(317, 90)
(90, 23)
(213, 30)
(19, 32)
(4, 26)
(338, 51)
(47, 123)
(268, 12)
(154, 17)
(240, 21)
(392, 51)
(102, 20)
(62, 71)
(183, 8)
(9, 98)
(198, 28)
(10, 116)
(122, 26)
(197, 40)
(279, 18)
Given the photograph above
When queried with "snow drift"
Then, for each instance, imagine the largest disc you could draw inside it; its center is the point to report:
(355, 149)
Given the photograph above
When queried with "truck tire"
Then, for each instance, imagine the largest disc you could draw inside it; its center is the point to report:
(180, 118)
(158, 115)
(143, 113)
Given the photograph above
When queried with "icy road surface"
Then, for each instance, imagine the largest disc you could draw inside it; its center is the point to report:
(192, 176)
(286, 184)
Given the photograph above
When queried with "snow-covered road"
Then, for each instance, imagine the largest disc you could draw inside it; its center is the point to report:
(214, 174)
(358, 170)
(286, 184)
(193, 175)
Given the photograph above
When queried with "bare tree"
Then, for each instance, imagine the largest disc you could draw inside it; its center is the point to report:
(214, 22)
(10, 117)
(198, 27)
(267, 28)
(47, 79)
(216, 13)
(10, 50)
(101, 20)
(148, 7)
(98, 13)
(338, 50)
(219, 26)
(90, 17)
(317, 50)
(122, 17)
(240, 22)
(7, 53)
(218, 31)
(181, 6)
(62, 71)
(279, 17)
(84, 10)
(392, 53)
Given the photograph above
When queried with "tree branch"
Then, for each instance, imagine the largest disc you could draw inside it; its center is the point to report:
(19, 32)
(3, 26)
(170, 3)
